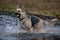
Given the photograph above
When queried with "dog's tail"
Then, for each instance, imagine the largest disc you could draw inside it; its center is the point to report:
(49, 23)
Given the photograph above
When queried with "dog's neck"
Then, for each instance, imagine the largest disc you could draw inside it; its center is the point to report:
(24, 17)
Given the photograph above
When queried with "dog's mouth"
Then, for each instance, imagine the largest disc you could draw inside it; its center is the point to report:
(17, 15)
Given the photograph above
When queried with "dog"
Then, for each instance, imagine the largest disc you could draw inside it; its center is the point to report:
(30, 22)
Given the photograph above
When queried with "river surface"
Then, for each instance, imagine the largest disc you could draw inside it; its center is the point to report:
(8, 25)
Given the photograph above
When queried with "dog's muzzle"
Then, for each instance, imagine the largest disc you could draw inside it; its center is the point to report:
(18, 14)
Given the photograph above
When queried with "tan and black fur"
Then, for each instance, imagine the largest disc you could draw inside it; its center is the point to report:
(30, 21)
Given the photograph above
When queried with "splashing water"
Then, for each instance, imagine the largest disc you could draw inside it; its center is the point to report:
(8, 24)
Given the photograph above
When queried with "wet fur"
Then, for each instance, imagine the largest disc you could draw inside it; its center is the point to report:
(30, 22)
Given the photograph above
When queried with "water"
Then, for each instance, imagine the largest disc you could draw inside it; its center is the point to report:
(50, 29)
(9, 38)
(8, 25)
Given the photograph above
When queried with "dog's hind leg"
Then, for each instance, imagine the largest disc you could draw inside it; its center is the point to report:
(38, 26)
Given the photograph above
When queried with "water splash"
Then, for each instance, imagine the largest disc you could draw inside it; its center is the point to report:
(8, 24)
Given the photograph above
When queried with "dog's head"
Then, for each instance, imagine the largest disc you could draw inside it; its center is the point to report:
(20, 11)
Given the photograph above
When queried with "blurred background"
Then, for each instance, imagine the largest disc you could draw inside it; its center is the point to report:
(45, 7)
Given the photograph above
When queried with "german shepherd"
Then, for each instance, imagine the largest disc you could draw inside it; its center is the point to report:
(30, 22)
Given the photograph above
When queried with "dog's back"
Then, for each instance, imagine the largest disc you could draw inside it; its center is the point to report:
(34, 20)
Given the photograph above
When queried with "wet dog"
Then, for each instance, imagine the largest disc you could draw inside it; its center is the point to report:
(30, 22)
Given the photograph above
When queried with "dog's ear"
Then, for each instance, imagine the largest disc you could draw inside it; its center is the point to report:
(23, 8)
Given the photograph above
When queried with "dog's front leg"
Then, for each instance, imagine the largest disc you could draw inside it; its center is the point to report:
(28, 25)
(18, 26)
